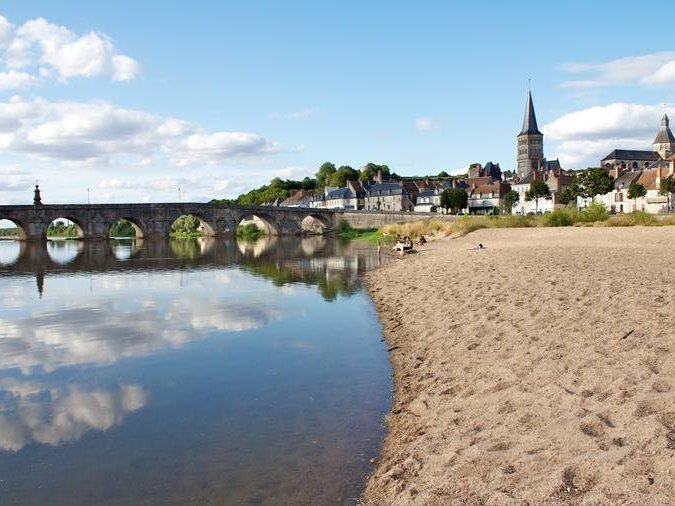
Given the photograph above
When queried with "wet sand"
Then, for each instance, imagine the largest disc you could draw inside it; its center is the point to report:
(538, 370)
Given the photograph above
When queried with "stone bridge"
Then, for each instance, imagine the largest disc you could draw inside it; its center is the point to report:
(154, 220)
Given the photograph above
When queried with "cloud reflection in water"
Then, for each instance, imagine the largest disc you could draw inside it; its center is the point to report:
(34, 412)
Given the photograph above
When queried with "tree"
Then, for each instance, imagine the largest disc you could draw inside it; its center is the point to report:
(370, 170)
(594, 181)
(186, 225)
(454, 198)
(538, 189)
(340, 177)
(443, 174)
(308, 183)
(511, 199)
(636, 191)
(667, 187)
(567, 196)
(326, 170)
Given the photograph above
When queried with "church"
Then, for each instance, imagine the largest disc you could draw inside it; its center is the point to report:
(663, 148)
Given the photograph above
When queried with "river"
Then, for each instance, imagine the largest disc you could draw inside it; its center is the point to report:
(188, 372)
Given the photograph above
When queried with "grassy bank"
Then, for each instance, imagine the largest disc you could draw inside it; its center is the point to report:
(346, 232)
(595, 215)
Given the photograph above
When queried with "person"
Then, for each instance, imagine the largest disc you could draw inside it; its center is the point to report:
(407, 245)
(422, 240)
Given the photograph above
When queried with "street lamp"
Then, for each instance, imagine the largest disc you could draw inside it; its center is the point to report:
(88, 199)
(179, 194)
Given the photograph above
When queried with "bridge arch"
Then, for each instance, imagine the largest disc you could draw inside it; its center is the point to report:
(316, 223)
(79, 226)
(140, 229)
(205, 226)
(20, 226)
(262, 220)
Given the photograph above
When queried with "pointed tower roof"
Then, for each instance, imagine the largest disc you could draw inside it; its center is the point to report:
(530, 121)
(665, 136)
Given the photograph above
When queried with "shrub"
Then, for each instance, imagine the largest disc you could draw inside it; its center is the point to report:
(594, 212)
(512, 221)
(643, 218)
(343, 227)
(560, 218)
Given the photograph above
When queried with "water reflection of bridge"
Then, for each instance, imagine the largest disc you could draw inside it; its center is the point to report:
(317, 260)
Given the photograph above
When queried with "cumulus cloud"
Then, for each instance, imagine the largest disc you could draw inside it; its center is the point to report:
(219, 146)
(584, 137)
(649, 69)
(95, 132)
(48, 50)
(31, 412)
(425, 123)
(14, 80)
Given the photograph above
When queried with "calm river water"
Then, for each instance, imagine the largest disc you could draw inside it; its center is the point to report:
(188, 372)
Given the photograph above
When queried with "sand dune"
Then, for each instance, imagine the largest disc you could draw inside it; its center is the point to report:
(538, 370)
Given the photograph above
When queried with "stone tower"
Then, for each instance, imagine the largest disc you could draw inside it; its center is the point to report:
(530, 142)
(664, 144)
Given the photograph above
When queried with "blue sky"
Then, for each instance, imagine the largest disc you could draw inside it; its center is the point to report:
(133, 101)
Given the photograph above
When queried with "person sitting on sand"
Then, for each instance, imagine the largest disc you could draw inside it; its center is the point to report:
(422, 240)
(407, 245)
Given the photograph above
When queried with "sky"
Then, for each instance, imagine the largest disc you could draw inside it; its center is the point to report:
(128, 101)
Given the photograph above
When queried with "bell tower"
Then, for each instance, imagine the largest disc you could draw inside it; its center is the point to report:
(664, 144)
(530, 142)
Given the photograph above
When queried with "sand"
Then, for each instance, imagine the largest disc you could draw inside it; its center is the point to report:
(538, 370)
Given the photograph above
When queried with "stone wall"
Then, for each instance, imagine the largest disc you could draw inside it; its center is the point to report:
(366, 219)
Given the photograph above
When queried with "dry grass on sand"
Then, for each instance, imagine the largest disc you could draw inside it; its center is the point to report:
(538, 370)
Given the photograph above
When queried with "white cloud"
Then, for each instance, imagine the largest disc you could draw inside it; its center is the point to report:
(425, 124)
(651, 69)
(217, 147)
(54, 51)
(292, 172)
(13, 80)
(584, 137)
(96, 132)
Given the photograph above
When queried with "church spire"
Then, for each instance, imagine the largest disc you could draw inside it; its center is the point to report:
(664, 144)
(530, 120)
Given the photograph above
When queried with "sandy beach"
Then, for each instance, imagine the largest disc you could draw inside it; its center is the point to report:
(538, 370)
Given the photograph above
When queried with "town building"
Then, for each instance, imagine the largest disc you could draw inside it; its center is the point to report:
(632, 159)
(530, 142)
(388, 197)
(351, 196)
(298, 198)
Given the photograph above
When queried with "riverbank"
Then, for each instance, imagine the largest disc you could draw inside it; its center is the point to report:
(537, 370)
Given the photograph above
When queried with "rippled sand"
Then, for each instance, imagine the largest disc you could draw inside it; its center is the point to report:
(538, 370)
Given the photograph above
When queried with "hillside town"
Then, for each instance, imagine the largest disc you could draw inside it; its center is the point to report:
(637, 180)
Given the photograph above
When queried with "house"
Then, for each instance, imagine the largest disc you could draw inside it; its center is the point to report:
(298, 198)
(351, 196)
(428, 200)
(388, 197)
(654, 203)
(488, 198)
